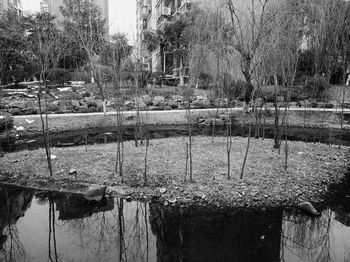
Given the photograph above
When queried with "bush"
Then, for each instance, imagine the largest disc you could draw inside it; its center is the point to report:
(60, 76)
(15, 75)
(80, 76)
(156, 78)
(6, 122)
(317, 88)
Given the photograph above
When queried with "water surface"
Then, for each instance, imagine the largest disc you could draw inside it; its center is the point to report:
(38, 226)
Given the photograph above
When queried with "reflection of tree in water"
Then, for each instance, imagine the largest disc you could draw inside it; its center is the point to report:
(207, 235)
(13, 204)
(308, 238)
(119, 233)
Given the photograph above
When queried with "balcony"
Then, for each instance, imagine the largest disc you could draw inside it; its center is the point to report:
(182, 7)
(162, 21)
(185, 5)
(145, 12)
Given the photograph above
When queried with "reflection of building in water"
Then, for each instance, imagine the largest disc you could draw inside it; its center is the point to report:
(342, 215)
(240, 236)
(13, 205)
(75, 206)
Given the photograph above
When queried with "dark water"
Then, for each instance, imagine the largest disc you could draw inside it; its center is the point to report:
(107, 135)
(55, 227)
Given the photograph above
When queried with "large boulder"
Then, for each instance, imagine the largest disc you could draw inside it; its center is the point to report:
(75, 103)
(129, 104)
(308, 209)
(158, 100)
(16, 104)
(177, 98)
(211, 121)
(95, 193)
(139, 103)
(201, 97)
(172, 103)
(221, 102)
(147, 99)
(201, 103)
(29, 104)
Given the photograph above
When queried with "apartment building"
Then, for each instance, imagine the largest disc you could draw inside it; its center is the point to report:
(53, 7)
(44, 6)
(14, 4)
(152, 15)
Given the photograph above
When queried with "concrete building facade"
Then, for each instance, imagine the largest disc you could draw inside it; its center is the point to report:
(152, 15)
(14, 4)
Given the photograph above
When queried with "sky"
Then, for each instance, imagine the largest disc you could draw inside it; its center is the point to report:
(122, 15)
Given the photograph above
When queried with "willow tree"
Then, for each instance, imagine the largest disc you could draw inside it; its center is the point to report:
(250, 26)
(289, 32)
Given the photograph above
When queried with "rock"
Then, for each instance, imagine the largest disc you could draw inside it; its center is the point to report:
(201, 97)
(167, 108)
(209, 121)
(29, 104)
(224, 117)
(200, 103)
(29, 121)
(14, 111)
(172, 200)
(308, 209)
(162, 190)
(72, 172)
(155, 108)
(19, 128)
(51, 106)
(28, 111)
(280, 98)
(75, 103)
(221, 102)
(147, 99)
(177, 98)
(172, 103)
(53, 157)
(138, 101)
(95, 193)
(158, 100)
(304, 103)
(129, 104)
(219, 122)
(16, 105)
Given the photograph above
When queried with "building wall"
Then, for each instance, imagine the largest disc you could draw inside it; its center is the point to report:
(16, 4)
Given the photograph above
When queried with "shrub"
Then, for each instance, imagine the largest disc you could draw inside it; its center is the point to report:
(6, 122)
(15, 75)
(156, 78)
(317, 88)
(80, 76)
(60, 76)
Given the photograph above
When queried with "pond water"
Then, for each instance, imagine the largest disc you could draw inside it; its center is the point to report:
(108, 135)
(39, 226)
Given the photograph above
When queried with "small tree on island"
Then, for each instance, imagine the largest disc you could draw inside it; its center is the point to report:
(45, 44)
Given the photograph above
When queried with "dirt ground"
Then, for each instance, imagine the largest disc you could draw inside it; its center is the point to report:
(311, 169)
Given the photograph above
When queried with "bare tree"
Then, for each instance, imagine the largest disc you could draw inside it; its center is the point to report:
(46, 44)
(85, 26)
